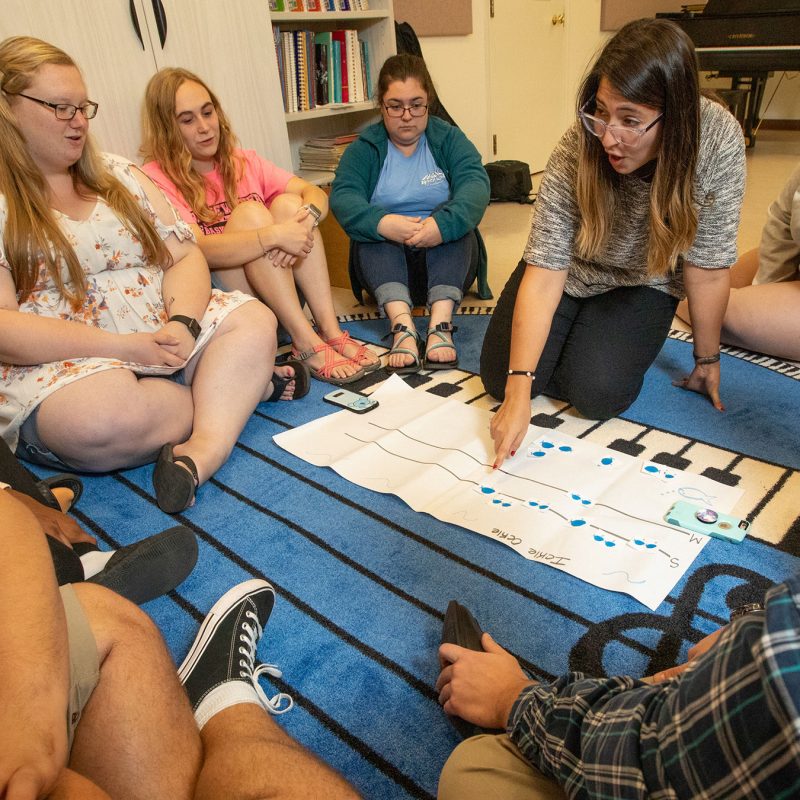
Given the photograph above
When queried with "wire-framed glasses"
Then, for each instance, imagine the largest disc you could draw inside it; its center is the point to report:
(627, 135)
(65, 111)
(397, 110)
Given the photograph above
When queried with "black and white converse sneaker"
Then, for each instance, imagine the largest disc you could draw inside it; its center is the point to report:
(224, 650)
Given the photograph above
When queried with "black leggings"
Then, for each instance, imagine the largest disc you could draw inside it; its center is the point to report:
(597, 352)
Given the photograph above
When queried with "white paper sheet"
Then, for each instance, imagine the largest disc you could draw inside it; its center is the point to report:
(584, 509)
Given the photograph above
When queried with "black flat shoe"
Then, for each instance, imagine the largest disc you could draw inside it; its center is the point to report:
(174, 485)
(64, 480)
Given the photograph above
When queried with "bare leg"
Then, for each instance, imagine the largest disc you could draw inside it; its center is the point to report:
(71, 786)
(113, 420)
(742, 274)
(400, 312)
(765, 318)
(137, 737)
(276, 285)
(247, 755)
(442, 311)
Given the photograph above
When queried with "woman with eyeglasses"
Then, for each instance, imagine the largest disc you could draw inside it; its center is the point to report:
(639, 206)
(104, 296)
(410, 192)
(255, 222)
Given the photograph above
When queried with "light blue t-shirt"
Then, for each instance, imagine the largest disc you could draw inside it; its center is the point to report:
(411, 185)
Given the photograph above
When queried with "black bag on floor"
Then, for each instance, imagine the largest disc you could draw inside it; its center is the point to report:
(510, 181)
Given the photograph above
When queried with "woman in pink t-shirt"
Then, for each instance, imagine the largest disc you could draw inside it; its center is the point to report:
(254, 221)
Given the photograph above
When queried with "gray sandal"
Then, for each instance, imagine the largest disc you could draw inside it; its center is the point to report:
(397, 348)
(439, 331)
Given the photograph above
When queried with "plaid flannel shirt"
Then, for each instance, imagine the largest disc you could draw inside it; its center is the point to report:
(728, 727)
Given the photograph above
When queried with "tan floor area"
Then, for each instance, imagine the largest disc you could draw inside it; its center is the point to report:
(505, 225)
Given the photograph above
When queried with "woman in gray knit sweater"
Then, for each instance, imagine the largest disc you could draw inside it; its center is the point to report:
(638, 207)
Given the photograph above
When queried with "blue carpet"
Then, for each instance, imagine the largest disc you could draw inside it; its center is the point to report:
(363, 581)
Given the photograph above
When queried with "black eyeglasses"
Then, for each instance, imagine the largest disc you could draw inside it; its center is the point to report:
(65, 111)
(624, 135)
(416, 110)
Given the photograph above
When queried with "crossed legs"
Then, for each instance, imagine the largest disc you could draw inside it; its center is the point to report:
(277, 286)
(112, 420)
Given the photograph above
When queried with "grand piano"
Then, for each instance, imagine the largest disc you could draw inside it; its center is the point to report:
(746, 41)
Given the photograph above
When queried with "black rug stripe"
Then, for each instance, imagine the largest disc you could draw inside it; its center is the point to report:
(342, 733)
(379, 658)
(355, 565)
(440, 550)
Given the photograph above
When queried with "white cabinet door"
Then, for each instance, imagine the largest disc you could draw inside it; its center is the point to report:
(99, 35)
(229, 45)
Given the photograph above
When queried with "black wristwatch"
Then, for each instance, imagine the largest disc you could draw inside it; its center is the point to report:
(192, 324)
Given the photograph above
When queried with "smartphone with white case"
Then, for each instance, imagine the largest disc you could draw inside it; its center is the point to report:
(353, 401)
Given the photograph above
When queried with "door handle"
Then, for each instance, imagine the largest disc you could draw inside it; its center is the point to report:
(135, 21)
(161, 21)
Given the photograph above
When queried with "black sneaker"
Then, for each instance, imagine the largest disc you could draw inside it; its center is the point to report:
(225, 646)
(154, 566)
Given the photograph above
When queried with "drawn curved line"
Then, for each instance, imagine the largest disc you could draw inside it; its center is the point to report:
(505, 472)
(622, 572)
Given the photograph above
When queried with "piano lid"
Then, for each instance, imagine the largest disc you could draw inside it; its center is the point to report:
(728, 7)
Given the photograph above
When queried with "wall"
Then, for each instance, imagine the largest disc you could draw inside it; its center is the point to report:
(460, 70)
(459, 65)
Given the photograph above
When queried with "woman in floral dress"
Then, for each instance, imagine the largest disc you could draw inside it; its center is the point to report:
(115, 350)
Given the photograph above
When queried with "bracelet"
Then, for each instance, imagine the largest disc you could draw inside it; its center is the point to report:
(525, 372)
(264, 251)
(706, 359)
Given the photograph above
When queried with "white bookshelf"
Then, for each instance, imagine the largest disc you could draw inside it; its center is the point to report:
(376, 26)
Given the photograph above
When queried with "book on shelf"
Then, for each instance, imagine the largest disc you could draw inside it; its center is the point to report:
(354, 67)
(313, 5)
(295, 5)
(278, 41)
(344, 73)
(277, 5)
(323, 39)
(324, 152)
(366, 70)
(321, 73)
(290, 71)
(337, 71)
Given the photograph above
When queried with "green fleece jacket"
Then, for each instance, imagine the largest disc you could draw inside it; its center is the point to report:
(454, 154)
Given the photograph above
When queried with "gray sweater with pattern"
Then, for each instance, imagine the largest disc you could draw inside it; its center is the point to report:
(718, 187)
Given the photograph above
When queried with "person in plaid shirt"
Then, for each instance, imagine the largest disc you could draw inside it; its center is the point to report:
(724, 725)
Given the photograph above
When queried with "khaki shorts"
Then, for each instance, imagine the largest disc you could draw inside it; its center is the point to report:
(84, 664)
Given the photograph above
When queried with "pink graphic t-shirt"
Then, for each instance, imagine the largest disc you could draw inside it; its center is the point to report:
(262, 181)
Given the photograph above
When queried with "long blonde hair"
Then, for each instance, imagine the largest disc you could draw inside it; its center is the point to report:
(164, 144)
(651, 62)
(32, 234)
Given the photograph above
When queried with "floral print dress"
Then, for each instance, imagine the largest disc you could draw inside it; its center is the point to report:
(123, 295)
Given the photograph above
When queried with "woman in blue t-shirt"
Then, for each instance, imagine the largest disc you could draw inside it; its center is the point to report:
(409, 193)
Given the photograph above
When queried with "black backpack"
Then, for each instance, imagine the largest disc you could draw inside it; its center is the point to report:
(510, 181)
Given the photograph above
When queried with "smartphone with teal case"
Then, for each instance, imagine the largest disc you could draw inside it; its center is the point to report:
(353, 401)
(707, 521)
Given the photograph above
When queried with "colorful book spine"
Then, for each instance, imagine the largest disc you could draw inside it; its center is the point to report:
(344, 74)
(368, 91)
(277, 5)
(354, 67)
(296, 5)
(290, 71)
(313, 5)
(278, 40)
(324, 40)
(337, 71)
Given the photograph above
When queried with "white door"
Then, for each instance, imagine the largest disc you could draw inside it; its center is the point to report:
(100, 36)
(529, 106)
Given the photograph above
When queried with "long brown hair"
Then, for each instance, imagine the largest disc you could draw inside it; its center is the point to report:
(32, 234)
(651, 62)
(164, 144)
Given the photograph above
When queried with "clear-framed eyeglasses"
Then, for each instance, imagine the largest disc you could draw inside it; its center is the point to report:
(65, 111)
(415, 109)
(628, 136)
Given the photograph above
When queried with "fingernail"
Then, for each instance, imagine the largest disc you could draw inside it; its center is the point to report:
(513, 452)
(494, 466)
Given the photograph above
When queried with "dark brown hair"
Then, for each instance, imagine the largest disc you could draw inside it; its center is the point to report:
(403, 67)
(650, 62)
